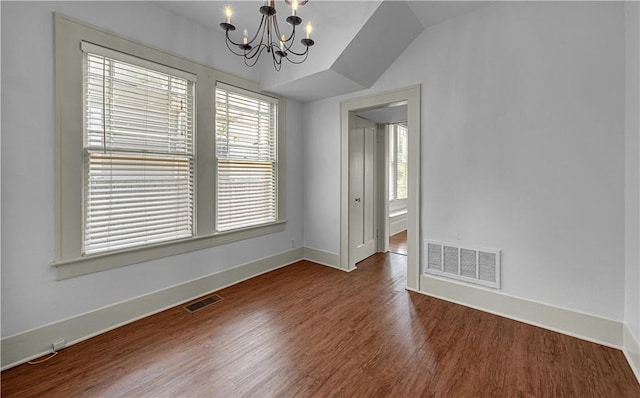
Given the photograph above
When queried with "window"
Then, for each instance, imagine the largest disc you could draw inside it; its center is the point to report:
(246, 143)
(398, 162)
(139, 175)
(138, 142)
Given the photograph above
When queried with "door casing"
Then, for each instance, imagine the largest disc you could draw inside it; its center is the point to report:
(410, 96)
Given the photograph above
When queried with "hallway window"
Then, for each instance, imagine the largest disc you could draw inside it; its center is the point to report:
(398, 161)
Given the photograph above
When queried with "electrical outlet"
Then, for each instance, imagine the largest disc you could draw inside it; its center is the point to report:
(293, 242)
(58, 345)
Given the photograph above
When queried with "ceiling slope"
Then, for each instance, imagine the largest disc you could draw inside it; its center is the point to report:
(376, 45)
(380, 41)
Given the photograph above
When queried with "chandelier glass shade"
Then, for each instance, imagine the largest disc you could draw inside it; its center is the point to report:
(268, 37)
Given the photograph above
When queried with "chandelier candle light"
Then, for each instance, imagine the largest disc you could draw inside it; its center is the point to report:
(268, 36)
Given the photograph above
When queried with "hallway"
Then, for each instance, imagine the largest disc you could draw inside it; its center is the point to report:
(398, 243)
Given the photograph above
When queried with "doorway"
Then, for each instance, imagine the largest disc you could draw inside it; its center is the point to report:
(348, 257)
(389, 174)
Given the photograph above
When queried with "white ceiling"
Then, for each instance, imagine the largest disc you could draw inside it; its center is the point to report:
(434, 12)
(328, 17)
(345, 33)
(325, 14)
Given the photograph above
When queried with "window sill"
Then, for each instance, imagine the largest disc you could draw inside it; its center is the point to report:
(101, 262)
(398, 213)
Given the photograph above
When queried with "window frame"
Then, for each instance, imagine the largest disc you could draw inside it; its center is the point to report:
(69, 261)
(392, 131)
(110, 105)
(276, 160)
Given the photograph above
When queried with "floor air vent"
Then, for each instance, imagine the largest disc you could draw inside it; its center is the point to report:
(198, 305)
(474, 265)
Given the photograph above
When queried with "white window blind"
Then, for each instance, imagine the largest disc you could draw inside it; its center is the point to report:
(246, 158)
(139, 152)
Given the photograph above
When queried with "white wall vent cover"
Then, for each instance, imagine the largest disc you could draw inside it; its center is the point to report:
(469, 264)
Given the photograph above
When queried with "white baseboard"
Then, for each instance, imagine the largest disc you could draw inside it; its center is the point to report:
(631, 349)
(323, 257)
(566, 321)
(25, 346)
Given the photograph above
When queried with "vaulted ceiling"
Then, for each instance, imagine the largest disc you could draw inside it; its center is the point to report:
(356, 41)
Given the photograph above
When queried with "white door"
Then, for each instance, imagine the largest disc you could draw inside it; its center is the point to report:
(362, 201)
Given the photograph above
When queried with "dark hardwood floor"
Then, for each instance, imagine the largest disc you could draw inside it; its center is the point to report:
(398, 243)
(309, 330)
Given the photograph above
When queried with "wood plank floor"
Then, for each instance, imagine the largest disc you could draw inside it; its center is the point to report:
(309, 330)
(398, 243)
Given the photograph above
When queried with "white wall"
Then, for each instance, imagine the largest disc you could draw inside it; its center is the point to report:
(522, 146)
(632, 168)
(30, 295)
(321, 126)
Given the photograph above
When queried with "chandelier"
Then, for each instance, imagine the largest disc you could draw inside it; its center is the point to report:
(268, 37)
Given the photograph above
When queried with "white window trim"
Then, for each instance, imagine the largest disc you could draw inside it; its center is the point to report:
(69, 261)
